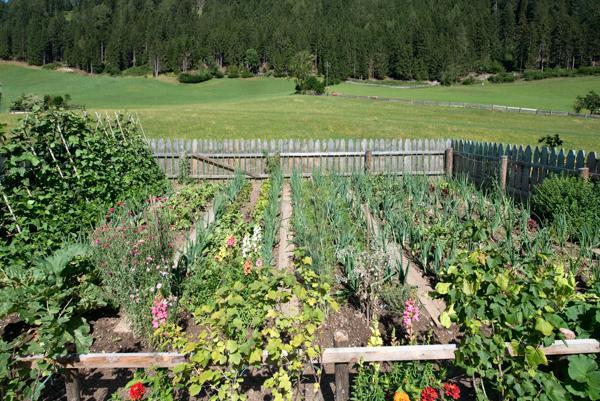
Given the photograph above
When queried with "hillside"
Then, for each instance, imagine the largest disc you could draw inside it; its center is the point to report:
(406, 39)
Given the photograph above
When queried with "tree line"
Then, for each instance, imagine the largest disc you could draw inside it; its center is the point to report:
(403, 39)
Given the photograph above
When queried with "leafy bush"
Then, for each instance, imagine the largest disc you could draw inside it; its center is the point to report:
(532, 75)
(186, 78)
(589, 70)
(469, 81)
(571, 197)
(246, 74)
(51, 299)
(233, 71)
(552, 141)
(491, 67)
(52, 66)
(61, 171)
(27, 102)
(30, 102)
(590, 102)
(311, 85)
(137, 71)
(112, 69)
(526, 305)
(501, 78)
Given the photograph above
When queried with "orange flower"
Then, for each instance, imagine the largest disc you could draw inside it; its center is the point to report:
(247, 267)
(401, 396)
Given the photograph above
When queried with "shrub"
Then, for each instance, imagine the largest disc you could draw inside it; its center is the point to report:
(52, 66)
(246, 74)
(491, 67)
(27, 102)
(501, 78)
(137, 71)
(470, 81)
(552, 141)
(590, 102)
(218, 74)
(588, 70)
(186, 78)
(233, 71)
(112, 69)
(311, 85)
(279, 73)
(568, 198)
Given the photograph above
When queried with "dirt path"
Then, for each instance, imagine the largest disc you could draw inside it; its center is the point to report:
(286, 246)
(434, 307)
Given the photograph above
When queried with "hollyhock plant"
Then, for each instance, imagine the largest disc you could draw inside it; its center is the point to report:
(136, 392)
(451, 390)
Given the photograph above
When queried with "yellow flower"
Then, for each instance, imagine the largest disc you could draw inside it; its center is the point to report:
(307, 261)
(401, 396)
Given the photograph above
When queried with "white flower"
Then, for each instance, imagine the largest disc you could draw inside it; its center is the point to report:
(158, 286)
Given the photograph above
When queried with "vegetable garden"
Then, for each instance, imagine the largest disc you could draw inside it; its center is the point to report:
(203, 280)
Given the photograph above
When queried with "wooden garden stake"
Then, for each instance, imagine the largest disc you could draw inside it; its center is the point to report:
(120, 127)
(584, 173)
(68, 151)
(449, 157)
(342, 376)
(110, 127)
(72, 385)
(11, 212)
(503, 171)
(57, 164)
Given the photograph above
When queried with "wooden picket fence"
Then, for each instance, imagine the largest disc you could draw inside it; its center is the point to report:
(519, 169)
(212, 159)
(516, 168)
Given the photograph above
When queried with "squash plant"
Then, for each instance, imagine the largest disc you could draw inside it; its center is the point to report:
(246, 327)
(526, 305)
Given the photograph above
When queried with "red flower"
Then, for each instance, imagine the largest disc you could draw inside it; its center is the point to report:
(451, 390)
(136, 392)
(429, 394)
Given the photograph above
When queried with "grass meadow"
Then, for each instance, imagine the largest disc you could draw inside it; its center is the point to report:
(267, 108)
(555, 94)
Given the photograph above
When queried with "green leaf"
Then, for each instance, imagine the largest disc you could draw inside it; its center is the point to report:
(255, 356)
(543, 326)
(580, 366)
(535, 356)
(195, 389)
(445, 320)
(442, 288)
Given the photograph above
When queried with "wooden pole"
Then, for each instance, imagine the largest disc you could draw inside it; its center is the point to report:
(72, 385)
(449, 156)
(342, 375)
(584, 173)
(368, 161)
(503, 172)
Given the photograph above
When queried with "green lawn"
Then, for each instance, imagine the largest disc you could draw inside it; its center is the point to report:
(556, 94)
(266, 108)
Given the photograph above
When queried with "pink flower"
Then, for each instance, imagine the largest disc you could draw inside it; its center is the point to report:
(259, 263)
(160, 312)
(231, 241)
(411, 312)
